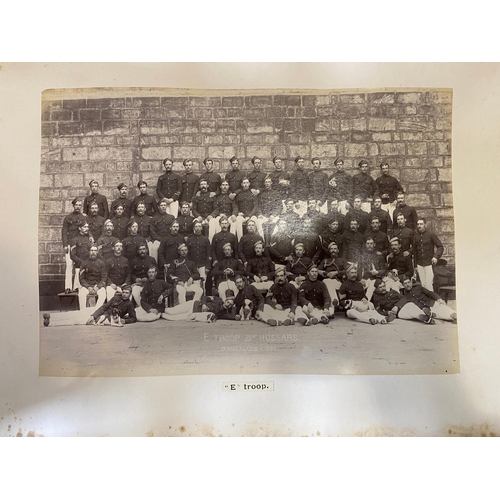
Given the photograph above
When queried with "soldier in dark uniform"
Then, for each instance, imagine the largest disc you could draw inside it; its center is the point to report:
(122, 200)
(297, 266)
(364, 186)
(315, 299)
(204, 204)
(199, 250)
(355, 213)
(169, 187)
(256, 176)
(308, 237)
(427, 250)
(331, 234)
(118, 271)
(400, 263)
(280, 245)
(143, 221)
(299, 184)
(234, 177)
(381, 239)
(168, 248)
(318, 182)
(213, 179)
(106, 242)
(160, 227)
(248, 292)
(185, 219)
(409, 213)
(281, 179)
(132, 241)
(332, 270)
(69, 231)
(120, 302)
(405, 234)
(93, 277)
(95, 221)
(246, 246)
(352, 243)
(153, 296)
(224, 207)
(79, 249)
(340, 187)
(334, 214)
(221, 238)
(147, 199)
(247, 209)
(184, 275)
(372, 266)
(291, 217)
(225, 270)
(120, 221)
(388, 188)
(383, 216)
(139, 271)
(190, 182)
(260, 269)
(94, 196)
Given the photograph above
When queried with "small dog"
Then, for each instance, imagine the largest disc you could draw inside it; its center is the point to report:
(110, 320)
(246, 310)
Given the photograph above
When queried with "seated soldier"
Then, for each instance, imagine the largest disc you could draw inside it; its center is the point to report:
(280, 305)
(353, 299)
(153, 297)
(248, 293)
(160, 227)
(389, 303)
(139, 271)
(118, 270)
(371, 267)
(399, 265)
(70, 229)
(199, 249)
(331, 234)
(225, 271)
(93, 277)
(280, 245)
(143, 197)
(121, 305)
(106, 242)
(95, 221)
(131, 242)
(168, 248)
(80, 250)
(120, 221)
(297, 266)
(185, 219)
(184, 275)
(332, 270)
(260, 269)
(422, 297)
(315, 299)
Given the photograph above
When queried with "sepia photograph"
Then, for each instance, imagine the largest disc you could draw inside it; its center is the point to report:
(286, 231)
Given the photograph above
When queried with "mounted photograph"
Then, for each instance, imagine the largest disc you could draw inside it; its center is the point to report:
(287, 231)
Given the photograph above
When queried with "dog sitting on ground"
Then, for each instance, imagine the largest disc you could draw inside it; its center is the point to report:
(110, 320)
(245, 312)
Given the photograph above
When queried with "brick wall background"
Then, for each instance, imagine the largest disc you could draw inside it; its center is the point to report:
(124, 139)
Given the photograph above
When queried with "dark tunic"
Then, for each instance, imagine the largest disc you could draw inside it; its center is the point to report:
(383, 217)
(353, 290)
(160, 225)
(144, 223)
(139, 267)
(224, 206)
(388, 185)
(251, 293)
(370, 261)
(216, 305)
(410, 215)
(149, 202)
(352, 245)
(343, 190)
(190, 183)
(225, 263)
(381, 240)
(101, 201)
(80, 248)
(282, 189)
(125, 308)
(402, 264)
(214, 181)
(130, 244)
(151, 293)
(218, 242)
(118, 271)
(338, 265)
(169, 185)
(314, 292)
(185, 224)
(298, 266)
(406, 235)
(246, 203)
(384, 302)
(360, 216)
(93, 272)
(256, 179)
(183, 270)
(364, 185)
(70, 226)
(105, 246)
(168, 250)
(204, 205)
(120, 227)
(261, 266)
(234, 178)
(246, 250)
(200, 250)
(280, 248)
(96, 226)
(283, 294)
(269, 203)
(421, 296)
(424, 244)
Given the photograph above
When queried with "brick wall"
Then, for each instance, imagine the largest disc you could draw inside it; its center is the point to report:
(124, 139)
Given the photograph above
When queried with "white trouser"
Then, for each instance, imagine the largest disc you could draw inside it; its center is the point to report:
(410, 311)
(366, 206)
(69, 318)
(144, 316)
(332, 285)
(82, 298)
(370, 288)
(214, 227)
(110, 292)
(426, 275)
(315, 313)
(183, 289)
(365, 316)
(389, 207)
(239, 226)
(180, 312)
(224, 286)
(343, 207)
(153, 247)
(392, 284)
(263, 285)
(302, 208)
(68, 275)
(203, 272)
(270, 313)
(173, 209)
(136, 293)
(323, 208)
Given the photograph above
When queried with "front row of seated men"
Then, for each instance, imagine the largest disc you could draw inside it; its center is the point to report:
(301, 291)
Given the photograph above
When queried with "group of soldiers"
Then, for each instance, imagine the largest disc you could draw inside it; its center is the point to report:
(280, 247)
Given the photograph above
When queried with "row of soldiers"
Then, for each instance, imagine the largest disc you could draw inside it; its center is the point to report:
(221, 212)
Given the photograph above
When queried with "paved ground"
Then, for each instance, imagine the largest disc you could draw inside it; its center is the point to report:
(166, 348)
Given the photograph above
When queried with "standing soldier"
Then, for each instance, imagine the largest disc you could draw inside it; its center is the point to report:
(79, 249)
(409, 213)
(428, 250)
(204, 205)
(213, 179)
(199, 250)
(122, 200)
(388, 188)
(380, 239)
(69, 231)
(234, 177)
(340, 187)
(190, 182)
(160, 227)
(281, 179)
(318, 182)
(169, 187)
(95, 197)
(299, 185)
(404, 234)
(106, 242)
(96, 222)
(364, 185)
(143, 221)
(355, 213)
(224, 207)
(120, 221)
(352, 243)
(131, 242)
(185, 219)
(247, 209)
(147, 199)
(168, 248)
(256, 176)
(383, 215)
